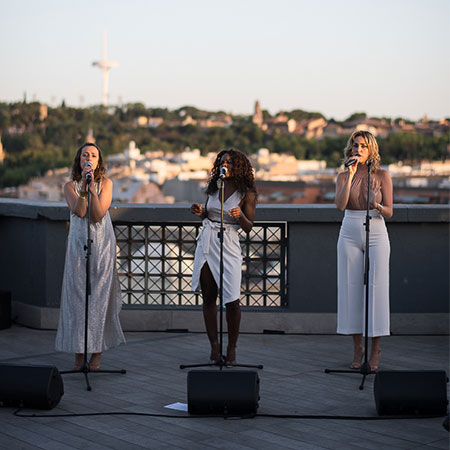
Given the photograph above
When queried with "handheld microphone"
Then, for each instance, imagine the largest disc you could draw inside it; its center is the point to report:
(88, 175)
(223, 172)
(351, 162)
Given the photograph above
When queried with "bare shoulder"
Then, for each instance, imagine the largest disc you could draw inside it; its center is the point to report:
(383, 174)
(341, 176)
(250, 197)
(69, 186)
(107, 183)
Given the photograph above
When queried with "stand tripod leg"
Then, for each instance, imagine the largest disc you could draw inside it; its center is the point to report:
(361, 386)
(88, 386)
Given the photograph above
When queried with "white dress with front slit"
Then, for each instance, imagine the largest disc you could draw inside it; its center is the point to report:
(208, 247)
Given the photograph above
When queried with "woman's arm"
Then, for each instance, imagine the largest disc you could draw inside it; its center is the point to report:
(386, 209)
(197, 210)
(100, 203)
(76, 203)
(343, 186)
(246, 213)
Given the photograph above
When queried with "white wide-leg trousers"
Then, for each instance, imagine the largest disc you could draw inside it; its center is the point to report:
(350, 273)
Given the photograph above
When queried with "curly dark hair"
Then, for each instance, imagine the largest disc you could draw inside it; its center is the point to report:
(242, 173)
(100, 170)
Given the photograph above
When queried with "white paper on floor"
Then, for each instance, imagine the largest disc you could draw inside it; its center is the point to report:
(178, 406)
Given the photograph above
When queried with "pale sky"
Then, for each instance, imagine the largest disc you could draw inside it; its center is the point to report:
(384, 57)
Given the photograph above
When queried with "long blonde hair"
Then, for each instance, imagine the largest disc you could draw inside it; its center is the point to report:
(371, 144)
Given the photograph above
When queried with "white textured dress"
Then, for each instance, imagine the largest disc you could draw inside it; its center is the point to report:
(104, 330)
(208, 247)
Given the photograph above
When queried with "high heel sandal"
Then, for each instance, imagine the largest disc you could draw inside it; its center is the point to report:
(79, 359)
(374, 361)
(356, 364)
(94, 362)
(214, 355)
(230, 360)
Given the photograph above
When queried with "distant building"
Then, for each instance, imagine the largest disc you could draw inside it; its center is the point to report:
(257, 115)
(154, 122)
(90, 136)
(314, 128)
(43, 112)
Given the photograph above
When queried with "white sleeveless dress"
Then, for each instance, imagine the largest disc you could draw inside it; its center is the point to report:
(104, 330)
(208, 247)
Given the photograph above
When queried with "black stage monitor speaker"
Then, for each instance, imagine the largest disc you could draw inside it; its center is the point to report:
(36, 387)
(223, 391)
(411, 392)
(5, 310)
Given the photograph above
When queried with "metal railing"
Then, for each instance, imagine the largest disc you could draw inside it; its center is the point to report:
(155, 262)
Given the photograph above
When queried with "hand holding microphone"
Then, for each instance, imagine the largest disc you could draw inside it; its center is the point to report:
(88, 172)
(352, 161)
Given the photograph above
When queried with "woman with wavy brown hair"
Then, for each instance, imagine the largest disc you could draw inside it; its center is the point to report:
(351, 197)
(239, 212)
(104, 330)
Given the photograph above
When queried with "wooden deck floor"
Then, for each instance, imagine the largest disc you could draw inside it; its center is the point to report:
(292, 382)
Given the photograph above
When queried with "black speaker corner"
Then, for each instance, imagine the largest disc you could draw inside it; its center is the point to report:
(35, 387)
(223, 392)
(404, 392)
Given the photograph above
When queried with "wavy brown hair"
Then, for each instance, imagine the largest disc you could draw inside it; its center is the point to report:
(242, 173)
(371, 144)
(100, 170)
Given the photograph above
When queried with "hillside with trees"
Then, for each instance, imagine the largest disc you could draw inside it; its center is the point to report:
(34, 144)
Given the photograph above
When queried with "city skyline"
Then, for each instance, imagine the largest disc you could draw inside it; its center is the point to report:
(384, 59)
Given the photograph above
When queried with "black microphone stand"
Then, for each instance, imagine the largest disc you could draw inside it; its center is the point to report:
(85, 369)
(365, 368)
(220, 361)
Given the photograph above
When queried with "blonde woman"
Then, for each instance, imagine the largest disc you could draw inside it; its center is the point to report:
(351, 197)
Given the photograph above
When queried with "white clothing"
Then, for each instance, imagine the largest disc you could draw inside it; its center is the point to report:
(350, 267)
(208, 248)
(105, 300)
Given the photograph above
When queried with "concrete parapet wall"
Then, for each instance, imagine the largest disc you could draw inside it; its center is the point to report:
(33, 240)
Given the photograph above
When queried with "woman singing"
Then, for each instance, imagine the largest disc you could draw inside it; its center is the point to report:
(351, 196)
(104, 330)
(239, 212)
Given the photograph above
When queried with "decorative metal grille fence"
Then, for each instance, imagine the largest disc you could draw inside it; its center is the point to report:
(155, 263)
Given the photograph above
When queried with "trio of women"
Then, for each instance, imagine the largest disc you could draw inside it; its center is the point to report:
(240, 198)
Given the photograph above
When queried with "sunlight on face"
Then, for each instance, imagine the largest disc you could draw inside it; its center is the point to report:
(89, 154)
(360, 149)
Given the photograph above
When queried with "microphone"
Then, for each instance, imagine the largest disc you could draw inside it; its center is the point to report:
(88, 175)
(351, 162)
(223, 172)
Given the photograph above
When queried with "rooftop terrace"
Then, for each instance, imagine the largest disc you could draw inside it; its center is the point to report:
(292, 382)
(302, 305)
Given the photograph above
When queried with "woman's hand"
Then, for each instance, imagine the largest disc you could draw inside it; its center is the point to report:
(235, 212)
(352, 169)
(87, 169)
(197, 209)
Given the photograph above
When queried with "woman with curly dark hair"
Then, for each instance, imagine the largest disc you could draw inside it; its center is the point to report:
(239, 212)
(105, 298)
